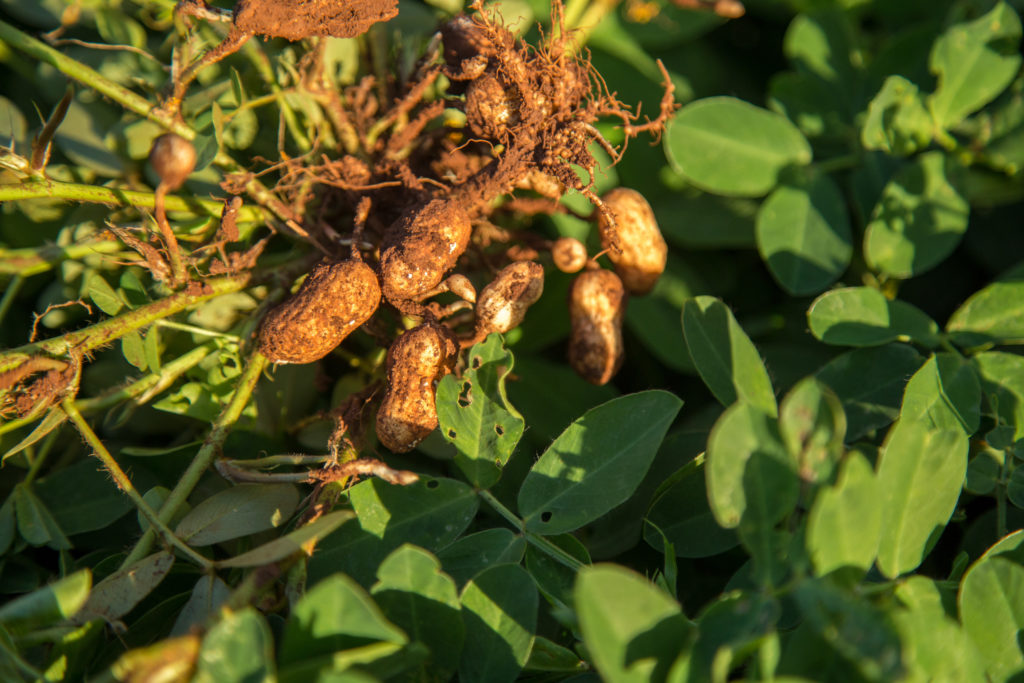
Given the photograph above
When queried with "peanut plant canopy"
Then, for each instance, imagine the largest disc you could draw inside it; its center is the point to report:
(635, 341)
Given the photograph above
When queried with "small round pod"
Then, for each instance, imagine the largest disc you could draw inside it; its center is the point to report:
(173, 158)
(333, 300)
(569, 254)
(642, 252)
(597, 304)
(416, 361)
(502, 304)
(491, 107)
(421, 247)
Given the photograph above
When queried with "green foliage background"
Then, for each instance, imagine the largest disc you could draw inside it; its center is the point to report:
(810, 467)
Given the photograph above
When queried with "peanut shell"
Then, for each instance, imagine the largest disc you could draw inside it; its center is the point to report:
(641, 255)
(569, 254)
(597, 304)
(502, 304)
(416, 361)
(331, 303)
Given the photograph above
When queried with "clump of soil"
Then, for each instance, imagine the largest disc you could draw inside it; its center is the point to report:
(298, 19)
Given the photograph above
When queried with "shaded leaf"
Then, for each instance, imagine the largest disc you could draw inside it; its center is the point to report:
(207, 596)
(992, 315)
(944, 394)
(35, 522)
(812, 425)
(682, 513)
(499, 610)
(862, 316)
(596, 463)
(116, 595)
(239, 511)
(897, 121)
(302, 539)
(59, 601)
(464, 558)
(1002, 384)
(845, 520)
(238, 649)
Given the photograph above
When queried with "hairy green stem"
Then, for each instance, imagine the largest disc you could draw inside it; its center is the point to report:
(102, 333)
(95, 194)
(34, 260)
(12, 291)
(126, 486)
(208, 452)
(536, 540)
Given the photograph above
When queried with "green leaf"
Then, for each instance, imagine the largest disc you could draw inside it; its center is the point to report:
(419, 598)
(241, 129)
(812, 425)
(596, 463)
(553, 578)
(920, 473)
(103, 295)
(993, 315)
(974, 62)
(857, 631)
(814, 105)
(430, 513)
(209, 593)
(751, 477)
(499, 611)
(845, 520)
(117, 28)
(8, 525)
(134, 350)
(238, 649)
(82, 498)
(822, 42)
(944, 394)
(991, 603)
(1002, 384)
(151, 349)
(862, 316)
(335, 615)
(725, 357)
(918, 221)
(727, 146)
(46, 606)
(632, 630)
(803, 235)
(238, 511)
(464, 558)
(870, 383)
(728, 628)
(935, 646)
(474, 413)
(35, 522)
(548, 656)
(1015, 488)
(119, 593)
(897, 121)
(55, 417)
(682, 513)
(132, 291)
(299, 540)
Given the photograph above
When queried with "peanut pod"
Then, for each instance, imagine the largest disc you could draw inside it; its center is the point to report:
(597, 304)
(416, 361)
(332, 302)
(641, 250)
(421, 247)
(502, 304)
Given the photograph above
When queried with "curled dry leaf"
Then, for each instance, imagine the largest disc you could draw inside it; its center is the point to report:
(298, 19)
(417, 360)
(569, 254)
(640, 258)
(421, 247)
(597, 304)
(502, 304)
(332, 302)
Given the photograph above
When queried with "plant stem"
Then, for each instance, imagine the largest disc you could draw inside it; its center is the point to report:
(536, 540)
(34, 260)
(126, 486)
(54, 189)
(1001, 497)
(92, 337)
(12, 290)
(208, 452)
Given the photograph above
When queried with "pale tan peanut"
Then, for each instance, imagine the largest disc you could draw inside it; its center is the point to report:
(569, 254)
(421, 247)
(635, 245)
(502, 304)
(173, 158)
(597, 304)
(335, 299)
(542, 183)
(416, 361)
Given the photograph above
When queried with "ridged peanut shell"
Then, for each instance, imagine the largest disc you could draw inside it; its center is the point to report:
(334, 299)
(597, 304)
(416, 361)
(501, 305)
(642, 252)
(421, 247)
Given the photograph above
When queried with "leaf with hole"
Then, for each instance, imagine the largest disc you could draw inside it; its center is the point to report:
(475, 414)
(726, 359)
(897, 120)
(596, 463)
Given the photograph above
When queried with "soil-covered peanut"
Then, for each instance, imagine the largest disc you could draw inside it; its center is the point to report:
(502, 304)
(640, 258)
(417, 360)
(421, 247)
(333, 300)
(569, 254)
(491, 107)
(173, 158)
(597, 304)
